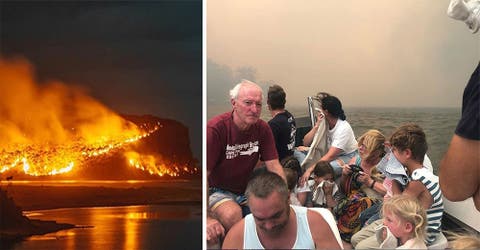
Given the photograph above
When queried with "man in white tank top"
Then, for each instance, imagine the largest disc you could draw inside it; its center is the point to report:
(273, 223)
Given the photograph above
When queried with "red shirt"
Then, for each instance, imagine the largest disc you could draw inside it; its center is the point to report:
(232, 154)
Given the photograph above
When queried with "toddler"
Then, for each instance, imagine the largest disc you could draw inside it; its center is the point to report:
(404, 223)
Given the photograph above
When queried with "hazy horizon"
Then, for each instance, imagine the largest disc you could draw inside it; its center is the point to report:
(399, 53)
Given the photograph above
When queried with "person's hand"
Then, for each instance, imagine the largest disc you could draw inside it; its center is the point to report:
(320, 116)
(305, 177)
(215, 231)
(363, 178)
(303, 149)
(346, 170)
(328, 187)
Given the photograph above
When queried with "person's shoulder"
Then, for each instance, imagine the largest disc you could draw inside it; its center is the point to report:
(316, 220)
(344, 124)
(289, 114)
(219, 119)
(418, 173)
(234, 238)
(262, 124)
(322, 224)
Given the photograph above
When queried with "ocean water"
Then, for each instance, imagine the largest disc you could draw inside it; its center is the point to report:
(438, 123)
(122, 227)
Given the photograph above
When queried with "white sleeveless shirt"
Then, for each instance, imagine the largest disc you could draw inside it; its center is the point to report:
(303, 238)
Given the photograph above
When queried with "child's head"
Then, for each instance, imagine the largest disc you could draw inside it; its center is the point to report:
(371, 145)
(468, 241)
(323, 171)
(404, 217)
(292, 163)
(292, 178)
(409, 137)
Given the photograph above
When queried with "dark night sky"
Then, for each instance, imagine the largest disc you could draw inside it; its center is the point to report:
(135, 57)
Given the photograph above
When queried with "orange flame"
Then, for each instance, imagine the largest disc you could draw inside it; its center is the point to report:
(50, 129)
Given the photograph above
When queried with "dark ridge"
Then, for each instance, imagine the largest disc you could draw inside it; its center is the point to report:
(14, 226)
(170, 142)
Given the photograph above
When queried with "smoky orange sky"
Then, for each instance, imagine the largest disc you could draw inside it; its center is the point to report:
(51, 112)
(372, 53)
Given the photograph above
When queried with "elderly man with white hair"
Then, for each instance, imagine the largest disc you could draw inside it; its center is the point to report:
(236, 141)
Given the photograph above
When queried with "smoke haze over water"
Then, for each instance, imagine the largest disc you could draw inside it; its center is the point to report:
(398, 53)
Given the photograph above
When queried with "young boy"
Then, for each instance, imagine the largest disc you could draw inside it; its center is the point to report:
(409, 146)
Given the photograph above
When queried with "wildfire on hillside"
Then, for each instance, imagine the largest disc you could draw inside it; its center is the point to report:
(53, 129)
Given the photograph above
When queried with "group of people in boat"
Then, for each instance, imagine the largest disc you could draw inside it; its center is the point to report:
(335, 191)
(250, 206)
(371, 201)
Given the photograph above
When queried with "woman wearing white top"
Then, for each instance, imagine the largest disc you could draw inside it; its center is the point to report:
(341, 139)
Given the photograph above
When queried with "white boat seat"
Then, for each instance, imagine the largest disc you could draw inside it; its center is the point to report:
(440, 242)
(328, 216)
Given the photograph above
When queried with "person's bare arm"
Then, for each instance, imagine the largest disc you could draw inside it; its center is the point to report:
(459, 170)
(215, 230)
(396, 187)
(274, 166)
(417, 190)
(234, 238)
(322, 234)
(308, 137)
(332, 153)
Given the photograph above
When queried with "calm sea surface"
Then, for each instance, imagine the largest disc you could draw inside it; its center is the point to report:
(125, 227)
(438, 123)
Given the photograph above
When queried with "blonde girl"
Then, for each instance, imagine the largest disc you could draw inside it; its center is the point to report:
(406, 219)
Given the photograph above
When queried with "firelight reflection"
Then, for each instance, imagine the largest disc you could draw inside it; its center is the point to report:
(127, 227)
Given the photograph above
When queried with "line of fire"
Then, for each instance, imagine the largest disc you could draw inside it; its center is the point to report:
(55, 130)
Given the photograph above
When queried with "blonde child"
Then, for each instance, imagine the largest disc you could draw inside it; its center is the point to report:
(409, 146)
(406, 220)
(467, 241)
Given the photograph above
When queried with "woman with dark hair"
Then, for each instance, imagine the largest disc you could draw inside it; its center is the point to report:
(342, 145)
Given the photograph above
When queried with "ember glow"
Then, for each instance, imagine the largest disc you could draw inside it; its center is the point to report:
(51, 128)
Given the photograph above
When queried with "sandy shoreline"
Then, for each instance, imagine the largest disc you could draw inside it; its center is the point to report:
(33, 197)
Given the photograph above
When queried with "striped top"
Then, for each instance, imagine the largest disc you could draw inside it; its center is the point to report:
(435, 212)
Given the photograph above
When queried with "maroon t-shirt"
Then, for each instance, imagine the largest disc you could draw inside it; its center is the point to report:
(232, 154)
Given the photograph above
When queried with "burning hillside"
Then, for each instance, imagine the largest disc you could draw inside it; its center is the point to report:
(51, 129)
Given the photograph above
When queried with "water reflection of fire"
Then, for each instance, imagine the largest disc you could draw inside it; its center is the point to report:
(52, 129)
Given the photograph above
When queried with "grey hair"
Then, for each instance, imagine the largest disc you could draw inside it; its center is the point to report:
(234, 92)
(264, 183)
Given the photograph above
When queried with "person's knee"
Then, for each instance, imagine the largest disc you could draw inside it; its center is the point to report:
(228, 214)
(355, 239)
(368, 243)
(364, 233)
